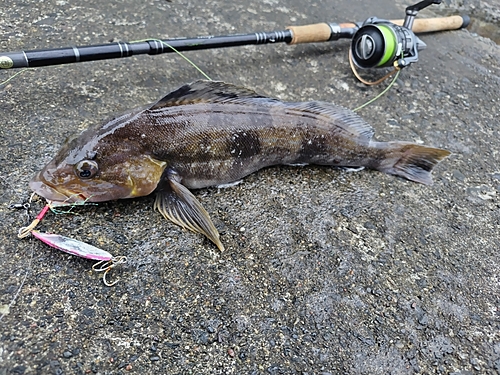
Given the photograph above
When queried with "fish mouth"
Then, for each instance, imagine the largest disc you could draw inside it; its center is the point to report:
(53, 194)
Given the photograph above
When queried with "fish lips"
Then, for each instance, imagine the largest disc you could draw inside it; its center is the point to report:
(91, 191)
(47, 191)
(51, 193)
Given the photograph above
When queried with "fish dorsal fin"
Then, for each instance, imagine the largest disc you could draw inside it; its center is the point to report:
(207, 92)
(202, 91)
(347, 121)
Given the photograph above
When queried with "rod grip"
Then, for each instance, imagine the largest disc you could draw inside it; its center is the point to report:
(322, 32)
(318, 32)
(429, 25)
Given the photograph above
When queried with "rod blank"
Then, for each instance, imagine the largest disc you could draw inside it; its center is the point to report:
(321, 32)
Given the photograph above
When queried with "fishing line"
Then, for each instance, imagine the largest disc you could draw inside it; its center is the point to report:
(396, 70)
(379, 95)
(177, 52)
(27, 270)
(21, 71)
(136, 41)
(56, 211)
(361, 79)
(22, 282)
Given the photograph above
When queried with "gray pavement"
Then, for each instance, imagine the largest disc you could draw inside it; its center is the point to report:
(325, 271)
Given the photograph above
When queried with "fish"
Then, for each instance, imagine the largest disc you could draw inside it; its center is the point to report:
(210, 133)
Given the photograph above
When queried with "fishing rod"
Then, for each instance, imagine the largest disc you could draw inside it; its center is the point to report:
(375, 43)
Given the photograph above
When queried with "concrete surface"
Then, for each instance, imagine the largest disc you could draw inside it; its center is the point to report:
(325, 272)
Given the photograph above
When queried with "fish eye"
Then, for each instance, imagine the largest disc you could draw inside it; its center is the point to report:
(86, 169)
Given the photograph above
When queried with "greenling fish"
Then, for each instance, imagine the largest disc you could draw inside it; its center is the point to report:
(213, 133)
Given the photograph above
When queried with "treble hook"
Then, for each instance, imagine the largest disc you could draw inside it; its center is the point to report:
(106, 266)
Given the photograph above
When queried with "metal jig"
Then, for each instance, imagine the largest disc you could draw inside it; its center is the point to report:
(106, 261)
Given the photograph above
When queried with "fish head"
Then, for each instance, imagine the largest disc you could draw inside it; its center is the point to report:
(97, 167)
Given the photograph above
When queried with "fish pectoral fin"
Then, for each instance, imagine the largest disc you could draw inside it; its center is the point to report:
(176, 203)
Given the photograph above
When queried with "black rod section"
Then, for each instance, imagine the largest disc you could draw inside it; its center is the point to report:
(308, 34)
(67, 55)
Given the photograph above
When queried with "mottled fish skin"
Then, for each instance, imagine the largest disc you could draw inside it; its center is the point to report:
(211, 133)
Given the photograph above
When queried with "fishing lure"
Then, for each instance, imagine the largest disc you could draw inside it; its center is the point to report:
(83, 250)
(106, 261)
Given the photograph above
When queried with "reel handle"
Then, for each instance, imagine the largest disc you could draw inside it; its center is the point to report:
(324, 32)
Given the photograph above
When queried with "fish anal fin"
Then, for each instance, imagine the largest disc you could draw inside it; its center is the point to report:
(177, 204)
(206, 92)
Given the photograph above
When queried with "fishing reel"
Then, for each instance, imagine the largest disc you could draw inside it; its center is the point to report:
(380, 43)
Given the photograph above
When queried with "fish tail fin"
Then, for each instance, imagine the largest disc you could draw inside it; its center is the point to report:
(409, 160)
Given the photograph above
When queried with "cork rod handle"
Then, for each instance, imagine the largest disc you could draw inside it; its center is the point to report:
(429, 25)
(321, 32)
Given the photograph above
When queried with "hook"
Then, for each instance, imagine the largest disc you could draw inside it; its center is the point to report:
(107, 265)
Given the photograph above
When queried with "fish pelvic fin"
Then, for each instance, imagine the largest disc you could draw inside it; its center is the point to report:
(411, 161)
(177, 204)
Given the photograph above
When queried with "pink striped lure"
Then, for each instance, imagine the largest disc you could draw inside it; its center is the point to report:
(74, 247)
(71, 246)
(106, 261)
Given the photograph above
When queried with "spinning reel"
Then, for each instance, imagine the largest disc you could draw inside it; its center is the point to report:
(380, 43)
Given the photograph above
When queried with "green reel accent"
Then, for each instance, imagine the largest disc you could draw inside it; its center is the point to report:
(390, 45)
